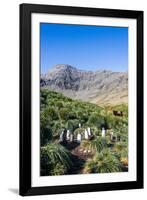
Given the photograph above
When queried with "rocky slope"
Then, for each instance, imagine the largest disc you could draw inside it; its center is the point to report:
(101, 87)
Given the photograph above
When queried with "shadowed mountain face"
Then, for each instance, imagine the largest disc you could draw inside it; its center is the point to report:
(100, 87)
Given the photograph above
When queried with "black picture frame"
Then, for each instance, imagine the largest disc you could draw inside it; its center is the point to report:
(25, 187)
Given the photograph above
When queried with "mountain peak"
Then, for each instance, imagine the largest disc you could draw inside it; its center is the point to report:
(63, 67)
(97, 87)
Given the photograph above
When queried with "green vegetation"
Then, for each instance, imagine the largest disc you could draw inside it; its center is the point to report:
(103, 162)
(55, 159)
(106, 154)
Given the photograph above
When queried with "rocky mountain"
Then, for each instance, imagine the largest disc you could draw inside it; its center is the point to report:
(100, 87)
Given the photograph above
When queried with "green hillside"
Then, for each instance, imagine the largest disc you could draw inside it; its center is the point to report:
(59, 112)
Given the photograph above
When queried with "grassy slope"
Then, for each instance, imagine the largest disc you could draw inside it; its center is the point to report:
(58, 112)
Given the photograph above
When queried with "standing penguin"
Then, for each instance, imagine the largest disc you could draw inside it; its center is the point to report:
(71, 137)
(79, 138)
(61, 137)
(86, 135)
(103, 132)
(89, 131)
(111, 135)
(68, 135)
(64, 136)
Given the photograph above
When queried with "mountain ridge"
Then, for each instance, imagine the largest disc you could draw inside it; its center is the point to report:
(99, 87)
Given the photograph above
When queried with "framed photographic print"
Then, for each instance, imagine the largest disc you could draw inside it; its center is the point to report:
(81, 99)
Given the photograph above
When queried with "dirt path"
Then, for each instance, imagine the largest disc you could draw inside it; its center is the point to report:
(79, 157)
(82, 153)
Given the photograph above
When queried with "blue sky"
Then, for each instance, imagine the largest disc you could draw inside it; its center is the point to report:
(84, 47)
